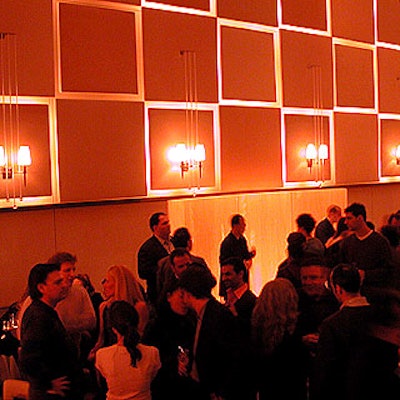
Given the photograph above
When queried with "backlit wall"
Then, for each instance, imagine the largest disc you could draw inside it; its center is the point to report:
(104, 84)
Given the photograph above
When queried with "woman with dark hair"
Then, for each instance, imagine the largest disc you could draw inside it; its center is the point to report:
(128, 366)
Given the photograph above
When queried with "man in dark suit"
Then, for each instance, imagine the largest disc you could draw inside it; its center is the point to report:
(351, 363)
(49, 357)
(326, 228)
(217, 349)
(152, 250)
(171, 266)
(240, 300)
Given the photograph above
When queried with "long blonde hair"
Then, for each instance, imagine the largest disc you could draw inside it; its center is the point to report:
(126, 285)
(275, 314)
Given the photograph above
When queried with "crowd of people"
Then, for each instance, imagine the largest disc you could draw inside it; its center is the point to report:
(326, 327)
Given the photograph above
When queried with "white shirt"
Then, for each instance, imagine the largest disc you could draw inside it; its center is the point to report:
(124, 381)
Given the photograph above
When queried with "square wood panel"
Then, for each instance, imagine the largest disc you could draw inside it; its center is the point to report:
(354, 77)
(306, 13)
(101, 150)
(163, 63)
(353, 20)
(258, 11)
(250, 148)
(97, 56)
(356, 147)
(248, 68)
(300, 52)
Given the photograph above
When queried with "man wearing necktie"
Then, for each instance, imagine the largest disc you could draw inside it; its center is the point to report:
(152, 250)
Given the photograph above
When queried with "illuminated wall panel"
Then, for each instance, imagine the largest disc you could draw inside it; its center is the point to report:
(389, 80)
(101, 150)
(389, 21)
(196, 4)
(248, 69)
(166, 34)
(355, 25)
(97, 56)
(258, 11)
(307, 14)
(31, 21)
(250, 148)
(355, 160)
(354, 77)
(166, 129)
(390, 139)
(34, 131)
(299, 52)
(299, 132)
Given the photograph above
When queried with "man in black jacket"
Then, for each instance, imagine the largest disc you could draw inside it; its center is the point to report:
(49, 357)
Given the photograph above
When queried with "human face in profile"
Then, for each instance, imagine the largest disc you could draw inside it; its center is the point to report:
(108, 287)
(163, 228)
(176, 302)
(54, 289)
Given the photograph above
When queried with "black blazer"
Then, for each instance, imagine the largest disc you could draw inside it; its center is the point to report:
(218, 355)
(150, 252)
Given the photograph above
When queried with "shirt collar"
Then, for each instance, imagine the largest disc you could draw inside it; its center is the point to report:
(240, 291)
(359, 301)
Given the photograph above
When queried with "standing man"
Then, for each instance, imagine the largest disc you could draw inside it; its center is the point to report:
(326, 228)
(152, 250)
(350, 363)
(235, 245)
(240, 300)
(76, 310)
(217, 345)
(48, 356)
(367, 249)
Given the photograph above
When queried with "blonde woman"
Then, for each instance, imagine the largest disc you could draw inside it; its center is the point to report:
(279, 350)
(119, 284)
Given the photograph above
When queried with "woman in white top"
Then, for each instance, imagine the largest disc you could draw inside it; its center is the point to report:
(128, 366)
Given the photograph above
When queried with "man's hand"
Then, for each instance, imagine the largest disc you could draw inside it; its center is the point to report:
(60, 386)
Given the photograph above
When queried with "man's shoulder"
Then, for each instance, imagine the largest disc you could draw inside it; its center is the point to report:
(151, 244)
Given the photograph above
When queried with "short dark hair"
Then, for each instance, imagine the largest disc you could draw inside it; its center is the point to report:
(357, 209)
(236, 262)
(178, 252)
(37, 275)
(347, 277)
(62, 257)
(155, 219)
(198, 281)
(181, 237)
(236, 219)
(306, 221)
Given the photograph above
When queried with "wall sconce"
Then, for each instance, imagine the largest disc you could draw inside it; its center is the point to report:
(318, 152)
(318, 157)
(188, 158)
(190, 155)
(23, 160)
(14, 158)
(397, 155)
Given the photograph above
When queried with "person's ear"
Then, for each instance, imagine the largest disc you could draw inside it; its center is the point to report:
(41, 287)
